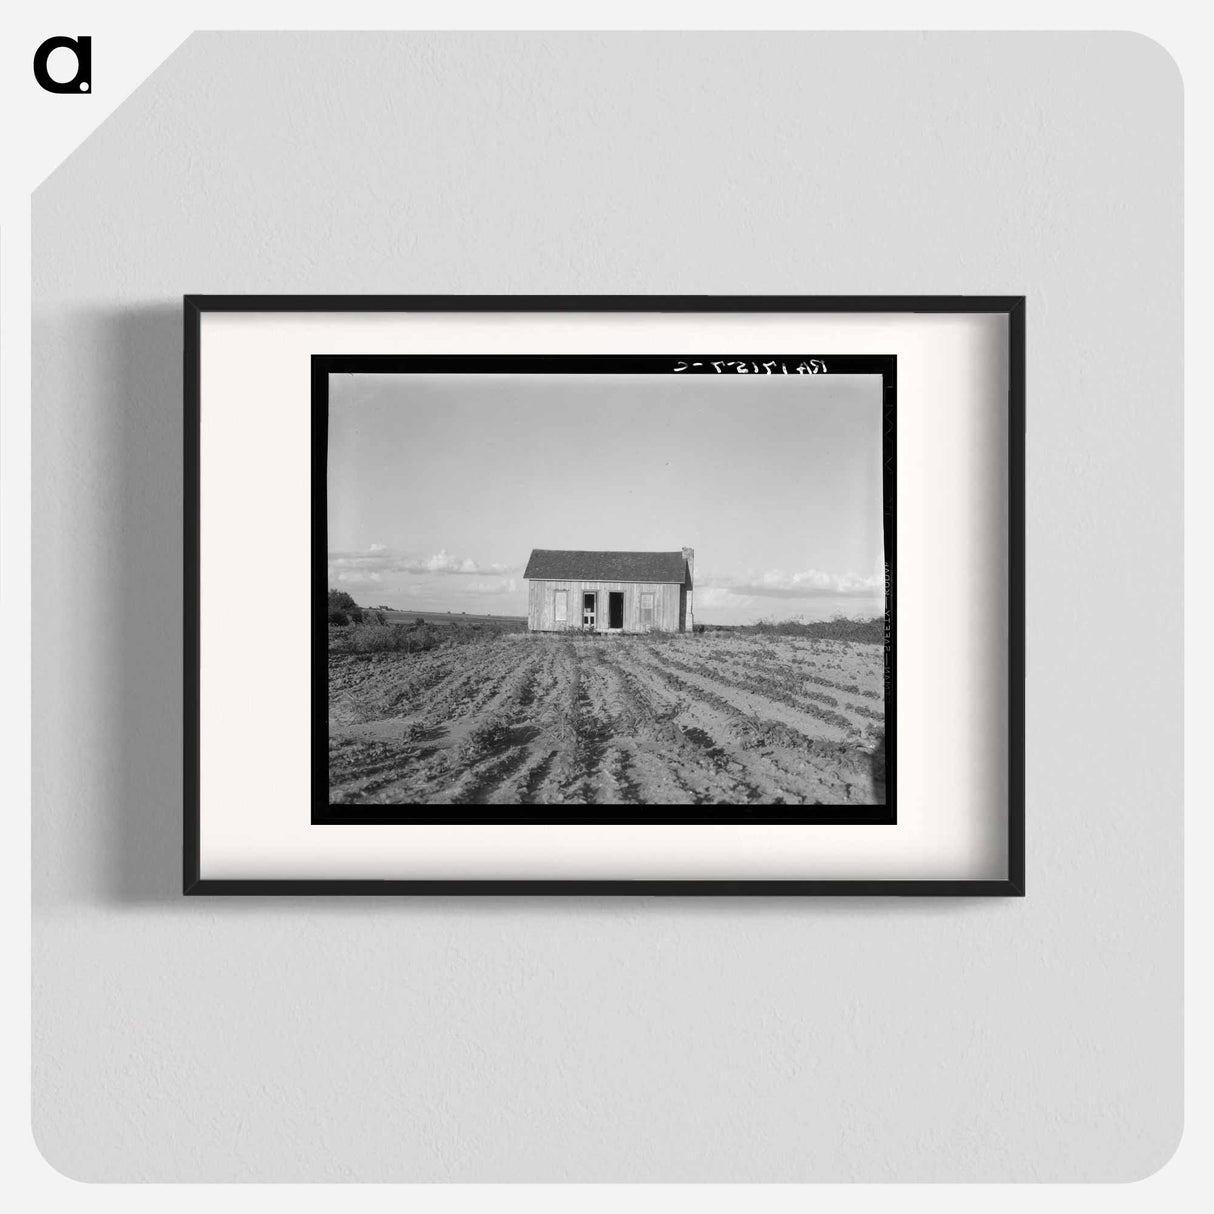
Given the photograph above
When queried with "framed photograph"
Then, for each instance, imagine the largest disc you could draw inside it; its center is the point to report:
(604, 595)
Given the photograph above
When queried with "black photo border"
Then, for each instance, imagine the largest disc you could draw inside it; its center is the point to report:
(1012, 307)
(326, 365)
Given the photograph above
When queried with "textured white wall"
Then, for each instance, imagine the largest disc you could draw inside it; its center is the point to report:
(627, 1039)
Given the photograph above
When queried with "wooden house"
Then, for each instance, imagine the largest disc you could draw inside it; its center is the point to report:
(609, 591)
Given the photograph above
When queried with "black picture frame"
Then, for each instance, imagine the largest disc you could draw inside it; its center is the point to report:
(194, 306)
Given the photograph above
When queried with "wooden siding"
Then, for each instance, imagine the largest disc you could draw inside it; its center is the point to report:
(668, 606)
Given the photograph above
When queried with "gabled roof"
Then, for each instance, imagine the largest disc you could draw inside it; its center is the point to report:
(563, 565)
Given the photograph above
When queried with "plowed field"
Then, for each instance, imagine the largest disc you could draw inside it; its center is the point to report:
(540, 719)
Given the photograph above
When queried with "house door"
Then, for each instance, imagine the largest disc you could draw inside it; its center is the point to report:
(589, 609)
(615, 609)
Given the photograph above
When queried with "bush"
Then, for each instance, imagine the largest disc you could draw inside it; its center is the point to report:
(490, 735)
(344, 610)
(382, 638)
(864, 631)
(339, 600)
(368, 637)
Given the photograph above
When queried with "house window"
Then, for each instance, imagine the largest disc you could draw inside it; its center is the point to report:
(647, 609)
(560, 606)
(589, 609)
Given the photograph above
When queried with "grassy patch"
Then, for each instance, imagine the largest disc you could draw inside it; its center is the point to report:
(863, 631)
(405, 638)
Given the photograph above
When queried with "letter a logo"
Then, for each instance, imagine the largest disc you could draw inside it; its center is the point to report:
(82, 81)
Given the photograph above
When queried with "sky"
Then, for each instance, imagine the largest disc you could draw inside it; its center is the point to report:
(439, 486)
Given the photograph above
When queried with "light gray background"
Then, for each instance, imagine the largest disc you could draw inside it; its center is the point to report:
(1035, 1039)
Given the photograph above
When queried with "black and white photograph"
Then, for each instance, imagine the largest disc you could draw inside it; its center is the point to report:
(604, 581)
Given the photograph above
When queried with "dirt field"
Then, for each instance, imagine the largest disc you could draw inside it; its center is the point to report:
(522, 718)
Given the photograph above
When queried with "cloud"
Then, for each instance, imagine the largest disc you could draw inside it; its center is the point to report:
(503, 586)
(774, 595)
(359, 578)
(379, 559)
(713, 596)
(443, 562)
(779, 584)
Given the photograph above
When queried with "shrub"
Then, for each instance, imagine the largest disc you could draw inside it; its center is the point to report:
(493, 733)
(368, 637)
(382, 638)
(340, 618)
(865, 631)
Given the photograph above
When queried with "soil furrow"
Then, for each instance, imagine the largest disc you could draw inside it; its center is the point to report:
(534, 719)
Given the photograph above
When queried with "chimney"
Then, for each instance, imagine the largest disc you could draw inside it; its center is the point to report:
(689, 555)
